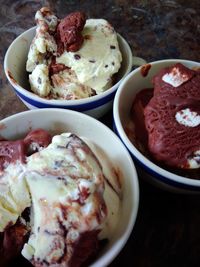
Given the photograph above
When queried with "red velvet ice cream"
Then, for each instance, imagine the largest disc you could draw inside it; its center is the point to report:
(177, 80)
(171, 117)
(170, 140)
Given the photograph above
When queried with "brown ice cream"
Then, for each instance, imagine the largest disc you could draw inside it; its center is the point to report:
(171, 117)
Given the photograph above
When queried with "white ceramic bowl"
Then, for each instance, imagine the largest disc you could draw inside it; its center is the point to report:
(60, 120)
(130, 86)
(14, 67)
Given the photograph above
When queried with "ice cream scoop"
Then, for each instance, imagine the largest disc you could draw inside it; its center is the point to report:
(99, 57)
(172, 117)
(74, 197)
(72, 58)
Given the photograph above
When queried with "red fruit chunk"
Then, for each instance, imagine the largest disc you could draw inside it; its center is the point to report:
(169, 141)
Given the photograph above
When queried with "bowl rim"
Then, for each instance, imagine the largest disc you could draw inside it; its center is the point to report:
(158, 172)
(30, 95)
(118, 245)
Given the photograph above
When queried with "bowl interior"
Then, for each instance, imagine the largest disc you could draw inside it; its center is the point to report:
(58, 121)
(16, 57)
(127, 91)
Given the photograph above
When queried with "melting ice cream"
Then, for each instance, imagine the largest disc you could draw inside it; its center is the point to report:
(74, 199)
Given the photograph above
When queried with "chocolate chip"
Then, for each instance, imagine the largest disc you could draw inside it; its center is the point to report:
(88, 37)
(48, 19)
(39, 80)
(112, 47)
(77, 57)
(113, 63)
(92, 61)
(106, 66)
(93, 92)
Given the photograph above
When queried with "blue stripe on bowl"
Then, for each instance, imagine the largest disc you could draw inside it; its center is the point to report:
(154, 174)
(79, 107)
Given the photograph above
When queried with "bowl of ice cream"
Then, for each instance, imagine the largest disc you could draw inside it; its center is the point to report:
(156, 115)
(72, 63)
(68, 191)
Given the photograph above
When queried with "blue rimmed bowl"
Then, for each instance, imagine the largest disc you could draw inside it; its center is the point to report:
(130, 86)
(96, 106)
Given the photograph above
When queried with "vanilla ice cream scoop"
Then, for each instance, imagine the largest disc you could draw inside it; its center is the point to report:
(74, 195)
(14, 194)
(59, 73)
(99, 57)
(67, 186)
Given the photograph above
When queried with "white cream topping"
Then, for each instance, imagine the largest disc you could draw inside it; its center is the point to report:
(188, 118)
(66, 183)
(43, 42)
(175, 77)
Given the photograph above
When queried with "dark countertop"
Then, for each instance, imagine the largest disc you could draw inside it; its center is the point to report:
(167, 230)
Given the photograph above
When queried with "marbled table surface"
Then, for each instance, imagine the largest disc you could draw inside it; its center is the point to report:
(167, 230)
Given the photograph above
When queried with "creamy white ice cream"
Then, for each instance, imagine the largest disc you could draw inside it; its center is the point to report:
(72, 189)
(39, 80)
(99, 57)
(92, 66)
(14, 194)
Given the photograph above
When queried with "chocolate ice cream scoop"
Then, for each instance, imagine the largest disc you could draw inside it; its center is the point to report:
(12, 242)
(173, 126)
(172, 117)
